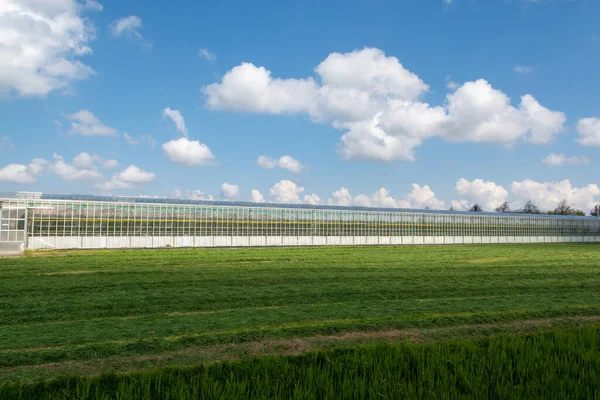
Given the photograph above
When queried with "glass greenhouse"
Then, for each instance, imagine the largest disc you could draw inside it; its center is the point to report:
(44, 221)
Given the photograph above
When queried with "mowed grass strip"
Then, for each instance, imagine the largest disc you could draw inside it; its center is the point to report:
(556, 364)
(61, 306)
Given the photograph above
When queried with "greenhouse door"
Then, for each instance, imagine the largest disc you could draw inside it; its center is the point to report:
(12, 229)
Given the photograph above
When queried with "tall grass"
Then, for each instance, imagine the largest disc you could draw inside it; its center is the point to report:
(558, 364)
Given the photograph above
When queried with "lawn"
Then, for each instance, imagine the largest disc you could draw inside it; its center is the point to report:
(91, 312)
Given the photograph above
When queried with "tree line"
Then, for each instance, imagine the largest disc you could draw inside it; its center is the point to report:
(562, 208)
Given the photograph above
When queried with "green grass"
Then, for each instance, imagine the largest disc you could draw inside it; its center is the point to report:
(91, 312)
(554, 365)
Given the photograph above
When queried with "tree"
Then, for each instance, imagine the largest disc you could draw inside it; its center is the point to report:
(530, 208)
(503, 208)
(563, 208)
(476, 208)
(595, 211)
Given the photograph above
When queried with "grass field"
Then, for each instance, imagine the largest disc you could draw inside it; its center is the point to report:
(92, 312)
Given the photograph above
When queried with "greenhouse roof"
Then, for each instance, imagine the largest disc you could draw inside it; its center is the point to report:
(176, 201)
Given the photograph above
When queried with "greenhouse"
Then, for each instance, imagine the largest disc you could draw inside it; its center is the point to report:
(45, 221)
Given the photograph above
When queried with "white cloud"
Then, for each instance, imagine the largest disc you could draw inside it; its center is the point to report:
(84, 167)
(70, 172)
(19, 173)
(229, 191)
(286, 191)
(341, 197)
(290, 164)
(130, 177)
(256, 196)
(191, 195)
(589, 132)
(286, 162)
(188, 152)
(108, 164)
(557, 160)
(546, 195)
(479, 113)
(523, 69)
(485, 193)
(130, 139)
(207, 54)
(419, 198)
(376, 101)
(41, 43)
(266, 162)
(92, 5)
(141, 138)
(6, 144)
(461, 205)
(84, 123)
(127, 26)
(450, 84)
(177, 118)
(312, 199)
(250, 88)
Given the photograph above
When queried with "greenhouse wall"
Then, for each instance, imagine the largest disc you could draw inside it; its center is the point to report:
(94, 223)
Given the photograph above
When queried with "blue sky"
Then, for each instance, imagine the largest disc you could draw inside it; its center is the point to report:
(383, 103)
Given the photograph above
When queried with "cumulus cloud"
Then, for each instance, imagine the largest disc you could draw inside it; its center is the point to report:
(286, 191)
(19, 173)
(420, 197)
(341, 197)
(450, 84)
(177, 118)
(191, 195)
(286, 162)
(127, 26)
(487, 194)
(546, 195)
(41, 43)
(79, 170)
(256, 196)
(131, 177)
(187, 152)
(312, 199)
(84, 167)
(461, 205)
(207, 55)
(377, 102)
(229, 191)
(134, 141)
(266, 162)
(557, 160)
(85, 123)
(589, 132)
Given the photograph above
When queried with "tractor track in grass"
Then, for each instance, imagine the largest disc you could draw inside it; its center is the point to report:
(195, 355)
